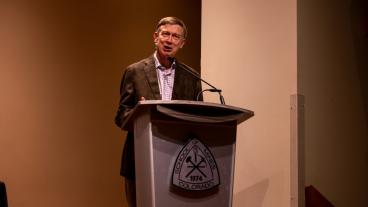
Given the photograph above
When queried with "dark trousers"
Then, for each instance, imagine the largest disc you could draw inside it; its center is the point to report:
(130, 192)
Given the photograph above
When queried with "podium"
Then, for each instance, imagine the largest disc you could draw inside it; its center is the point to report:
(184, 152)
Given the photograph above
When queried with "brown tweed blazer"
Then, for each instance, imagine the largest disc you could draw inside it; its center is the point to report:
(140, 80)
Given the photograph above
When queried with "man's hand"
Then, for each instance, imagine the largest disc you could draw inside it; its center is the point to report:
(142, 99)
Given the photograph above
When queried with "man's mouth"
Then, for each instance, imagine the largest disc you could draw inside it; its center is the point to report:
(167, 48)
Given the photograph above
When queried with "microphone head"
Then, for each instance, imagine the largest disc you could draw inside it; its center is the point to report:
(215, 90)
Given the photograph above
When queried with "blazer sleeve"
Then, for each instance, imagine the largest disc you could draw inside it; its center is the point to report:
(127, 97)
(198, 88)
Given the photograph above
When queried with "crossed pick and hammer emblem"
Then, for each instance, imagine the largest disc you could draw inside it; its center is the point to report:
(196, 165)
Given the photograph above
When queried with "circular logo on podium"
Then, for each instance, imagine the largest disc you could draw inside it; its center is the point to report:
(195, 167)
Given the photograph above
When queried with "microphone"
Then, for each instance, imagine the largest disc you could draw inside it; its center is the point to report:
(212, 89)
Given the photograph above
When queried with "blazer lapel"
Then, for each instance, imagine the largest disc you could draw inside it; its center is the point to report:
(151, 76)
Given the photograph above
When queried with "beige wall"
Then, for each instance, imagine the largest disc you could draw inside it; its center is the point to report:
(249, 51)
(60, 69)
(335, 123)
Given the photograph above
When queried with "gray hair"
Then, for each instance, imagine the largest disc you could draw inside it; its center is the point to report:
(174, 21)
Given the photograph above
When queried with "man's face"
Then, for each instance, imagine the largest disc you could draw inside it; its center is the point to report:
(168, 40)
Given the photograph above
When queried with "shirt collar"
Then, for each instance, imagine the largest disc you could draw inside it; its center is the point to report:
(158, 64)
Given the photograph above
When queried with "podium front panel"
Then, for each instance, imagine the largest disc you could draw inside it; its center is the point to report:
(169, 139)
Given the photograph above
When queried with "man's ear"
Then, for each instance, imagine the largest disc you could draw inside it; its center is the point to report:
(155, 37)
(182, 44)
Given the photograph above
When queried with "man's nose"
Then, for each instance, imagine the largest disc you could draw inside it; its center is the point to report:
(169, 39)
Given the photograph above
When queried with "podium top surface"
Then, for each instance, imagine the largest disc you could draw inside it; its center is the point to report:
(192, 111)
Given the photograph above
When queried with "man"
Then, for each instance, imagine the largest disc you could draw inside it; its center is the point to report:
(158, 77)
